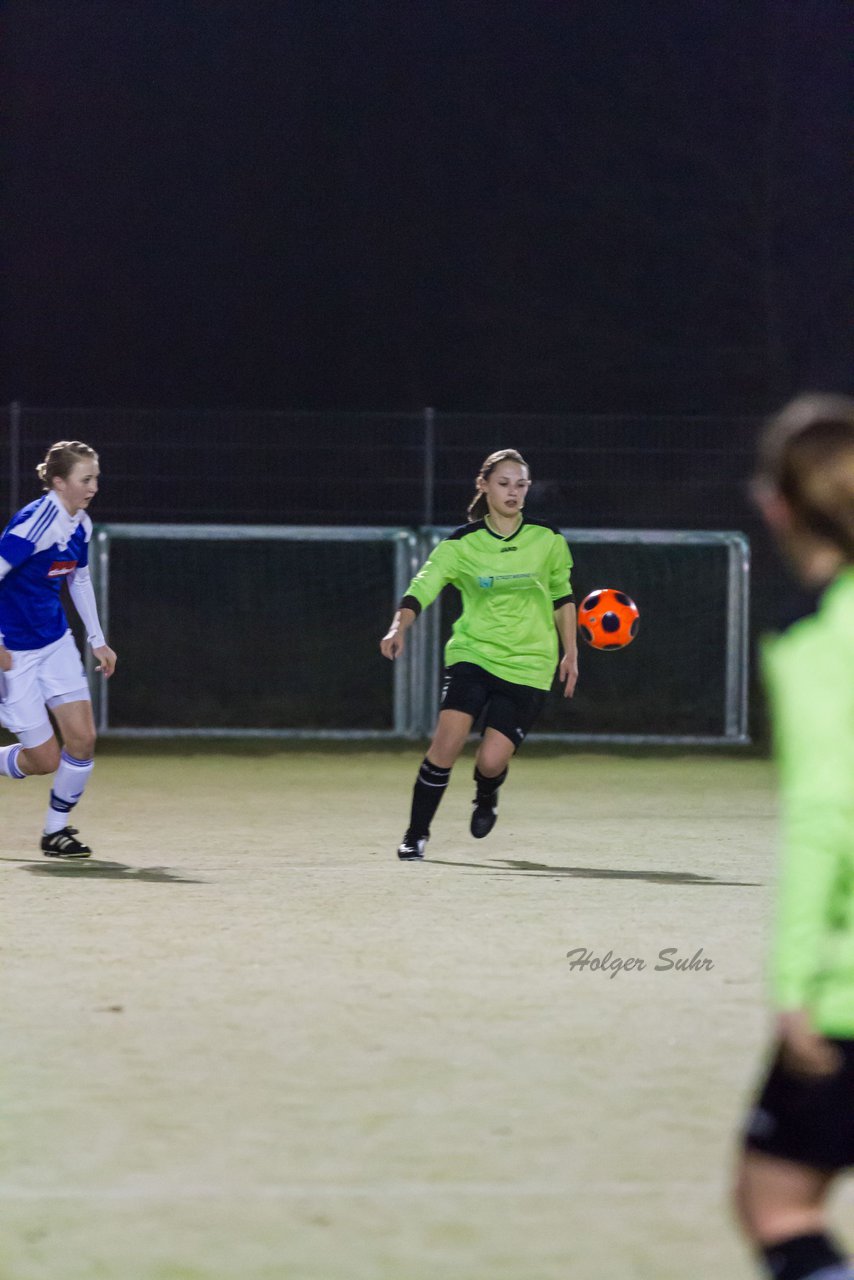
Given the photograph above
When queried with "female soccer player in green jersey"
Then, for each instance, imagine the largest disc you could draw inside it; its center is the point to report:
(513, 576)
(800, 1133)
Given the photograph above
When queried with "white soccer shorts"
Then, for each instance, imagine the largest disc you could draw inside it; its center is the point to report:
(40, 678)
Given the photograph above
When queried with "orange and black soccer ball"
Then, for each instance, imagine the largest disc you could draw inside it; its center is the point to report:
(608, 619)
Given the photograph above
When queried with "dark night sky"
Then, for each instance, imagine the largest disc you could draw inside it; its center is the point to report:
(608, 205)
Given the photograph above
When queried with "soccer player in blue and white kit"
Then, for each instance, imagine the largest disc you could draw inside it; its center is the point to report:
(40, 667)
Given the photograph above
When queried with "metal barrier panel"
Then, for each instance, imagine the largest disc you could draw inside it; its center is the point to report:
(253, 631)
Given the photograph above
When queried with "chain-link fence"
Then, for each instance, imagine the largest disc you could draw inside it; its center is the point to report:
(386, 468)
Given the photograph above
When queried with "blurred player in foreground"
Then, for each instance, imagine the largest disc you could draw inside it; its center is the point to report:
(513, 576)
(800, 1133)
(40, 668)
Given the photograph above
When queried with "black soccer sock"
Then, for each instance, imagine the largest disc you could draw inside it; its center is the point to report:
(813, 1257)
(487, 788)
(426, 795)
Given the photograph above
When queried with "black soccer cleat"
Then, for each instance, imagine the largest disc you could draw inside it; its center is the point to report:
(411, 848)
(484, 817)
(64, 844)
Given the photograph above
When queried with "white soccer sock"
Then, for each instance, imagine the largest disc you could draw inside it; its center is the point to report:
(9, 761)
(68, 785)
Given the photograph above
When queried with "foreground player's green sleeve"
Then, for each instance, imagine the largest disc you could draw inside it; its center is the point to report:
(434, 574)
(560, 569)
(810, 677)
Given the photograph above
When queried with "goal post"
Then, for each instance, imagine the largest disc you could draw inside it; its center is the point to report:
(273, 631)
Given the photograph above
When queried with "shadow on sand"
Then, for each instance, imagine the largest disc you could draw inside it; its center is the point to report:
(512, 867)
(93, 869)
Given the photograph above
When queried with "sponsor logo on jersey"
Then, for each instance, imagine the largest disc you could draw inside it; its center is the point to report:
(60, 568)
(507, 580)
(504, 550)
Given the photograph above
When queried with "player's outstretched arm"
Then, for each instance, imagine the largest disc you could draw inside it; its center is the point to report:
(392, 643)
(83, 595)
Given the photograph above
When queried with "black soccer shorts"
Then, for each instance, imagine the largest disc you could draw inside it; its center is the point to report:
(492, 703)
(808, 1119)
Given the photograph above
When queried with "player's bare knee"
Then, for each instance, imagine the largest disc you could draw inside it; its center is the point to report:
(492, 761)
(81, 748)
(79, 741)
(445, 748)
(36, 761)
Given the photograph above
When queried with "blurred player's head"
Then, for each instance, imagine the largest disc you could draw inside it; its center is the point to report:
(804, 484)
(501, 485)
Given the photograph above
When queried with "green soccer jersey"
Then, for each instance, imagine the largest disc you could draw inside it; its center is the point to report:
(510, 588)
(809, 672)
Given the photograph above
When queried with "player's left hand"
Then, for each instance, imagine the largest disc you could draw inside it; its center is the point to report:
(107, 659)
(391, 645)
(568, 673)
(804, 1051)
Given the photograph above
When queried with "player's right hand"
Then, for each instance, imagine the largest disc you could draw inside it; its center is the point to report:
(5, 659)
(391, 645)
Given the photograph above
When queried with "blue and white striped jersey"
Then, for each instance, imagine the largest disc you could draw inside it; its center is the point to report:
(43, 544)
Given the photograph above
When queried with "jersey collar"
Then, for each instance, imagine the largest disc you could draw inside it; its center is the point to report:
(500, 537)
(67, 523)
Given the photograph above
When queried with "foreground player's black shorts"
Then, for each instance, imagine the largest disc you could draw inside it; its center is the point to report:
(808, 1119)
(493, 703)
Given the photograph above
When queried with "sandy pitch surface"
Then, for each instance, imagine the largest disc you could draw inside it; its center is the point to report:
(245, 1043)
